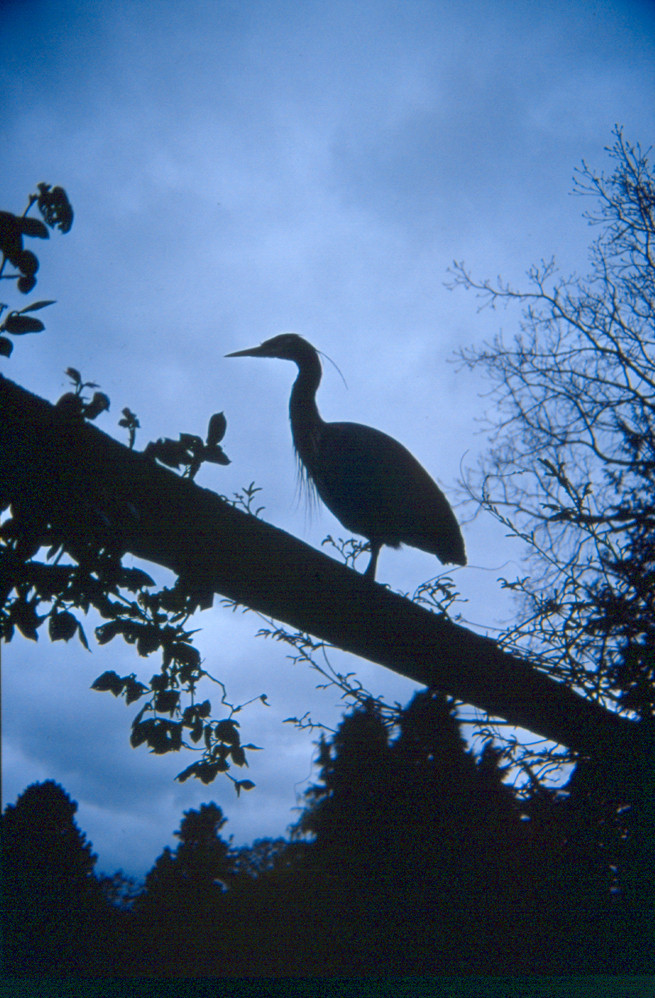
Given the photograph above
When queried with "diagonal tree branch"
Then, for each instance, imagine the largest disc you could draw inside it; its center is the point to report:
(76, 475)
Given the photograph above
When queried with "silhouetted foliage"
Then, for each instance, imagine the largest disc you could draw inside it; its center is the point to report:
(55, 915)
(412, 856)
(572, 469)
(200, 863)
(572, 475)
(82, 569)
(56, 210)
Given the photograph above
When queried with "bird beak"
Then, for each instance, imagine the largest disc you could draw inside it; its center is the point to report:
(252, 352)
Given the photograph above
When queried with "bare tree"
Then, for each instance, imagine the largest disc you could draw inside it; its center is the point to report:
(571, 470)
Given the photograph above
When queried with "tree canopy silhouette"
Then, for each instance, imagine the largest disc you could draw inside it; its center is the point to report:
(54, 911)
(572, 470)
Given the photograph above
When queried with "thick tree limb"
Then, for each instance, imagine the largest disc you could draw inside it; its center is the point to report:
(77, 476)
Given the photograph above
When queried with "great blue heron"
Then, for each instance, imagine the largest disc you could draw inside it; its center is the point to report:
(371, 483)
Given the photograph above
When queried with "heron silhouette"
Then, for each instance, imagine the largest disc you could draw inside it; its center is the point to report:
(369, 481)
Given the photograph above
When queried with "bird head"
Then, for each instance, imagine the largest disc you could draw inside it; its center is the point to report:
(286, 346)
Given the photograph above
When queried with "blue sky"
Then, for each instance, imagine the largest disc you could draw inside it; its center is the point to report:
(242, 169)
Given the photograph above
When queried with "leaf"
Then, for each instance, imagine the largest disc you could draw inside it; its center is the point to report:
(238, 756)
(105, 632)
(6, 347)
(62, 626)
(11, 241)
(134, 690)
(82, 636)
(139, 734)
(163, 736)
(191, 441)
(215, 455)
(185, 654)
(240, 785)
(99, 403)
(170, 452)
(33, 227)
(18, 325)
(216, 429)
(35, 306)
(148, 640)
(74, 375)
(227, 731)
(208, 771)
(26, 283)
(70, 404)
(110, 681)
(167, 701)
(186, 773)
(26, 619)
(204, 771)
(55, 207)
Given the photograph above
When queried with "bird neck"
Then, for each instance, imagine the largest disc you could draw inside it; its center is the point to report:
(305, 418)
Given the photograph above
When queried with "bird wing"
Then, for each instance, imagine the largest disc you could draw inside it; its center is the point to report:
(376, 488)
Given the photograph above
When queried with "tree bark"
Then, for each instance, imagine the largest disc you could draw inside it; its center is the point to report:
(78, 477)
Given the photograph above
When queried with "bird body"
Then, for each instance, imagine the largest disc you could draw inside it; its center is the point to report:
(369, 481)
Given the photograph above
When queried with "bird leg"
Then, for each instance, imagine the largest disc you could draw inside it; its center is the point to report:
(372, 565)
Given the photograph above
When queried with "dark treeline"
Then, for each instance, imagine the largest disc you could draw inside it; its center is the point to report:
(411, 856)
